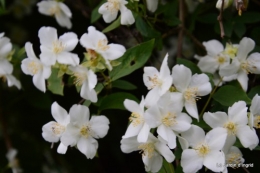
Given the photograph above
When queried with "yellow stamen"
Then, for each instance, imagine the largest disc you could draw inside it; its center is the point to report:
(169, 119)
(85, 131)
(147, 149)
(257, 121)
(231, 128)
(57, 128)
(202, 149)
(136, 119)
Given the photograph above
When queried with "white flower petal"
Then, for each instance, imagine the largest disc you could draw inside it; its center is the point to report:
(238, 113)
(208, 64)
(194, 135)
(153, 116)
(246, 45)
(114, 51)
(217, 119)
(129, 145)
(69, 40)
(214, 159)
(247, 137)
(63, 20)
(48, 134)
(213, 47)
(99, 125)
(181, 76)
(79, 114)
(243, 79)
(29, 50)
(216, 138)
(88, 146)
(71, 135)
(39, 81)
(191, 108)
(133, 130)
(87, 93)
(144, 133)
(152, 5)
(190, 161)
(127, 17)
(62, 149)
(164, 151)
(68, 58)
(47, 36)
(107, 15)
(60, 114)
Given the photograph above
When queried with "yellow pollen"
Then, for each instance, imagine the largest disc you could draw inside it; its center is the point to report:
(102, 45)
(257, 122)
(54, 10)
(248, 66)
(57, 47)
(136, 119)
(230, 50)
(155, 81)
(169, 119)
(221, 59)
(113, 6)
(147, 149)
(33, 67)
(202, 149)
(57, 128)
(234, 159)
(85, 131)
(231, 127)
(191, 94)
(79, 78)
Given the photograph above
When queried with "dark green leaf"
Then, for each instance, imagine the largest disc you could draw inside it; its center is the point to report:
(122, 84)
(248, 17)
(253, 92)
(133, 59)
(55, 84)
(228, 95)
(239, 29)
(113, 25)
(193, 67)
(115, 101)
(95, 15)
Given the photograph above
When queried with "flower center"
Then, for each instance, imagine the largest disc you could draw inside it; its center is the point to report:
(34, 67)
(57, 47)
(234, 159)
(191, 94)
(230, 50)
(113, 5)
(79, 78)
(202, 149)
(54, 10)
(248, 66)
(155, 81)
(102, 45)
(136, 119)
(147, 149)
(221, 59)
(169, 119)
(257, 122)
(85, 131)
(231, 128)
(57, 128)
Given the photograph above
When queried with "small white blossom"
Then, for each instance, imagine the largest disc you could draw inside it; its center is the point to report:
(152, 5)
(13, 162)
(59, 10)
(254, 116)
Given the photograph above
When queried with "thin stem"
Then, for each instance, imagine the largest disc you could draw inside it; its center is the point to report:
(171, 167)
(210, 96)
(181, 32)
(222, 32)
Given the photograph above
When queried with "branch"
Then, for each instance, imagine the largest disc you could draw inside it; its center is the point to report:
(222, 32)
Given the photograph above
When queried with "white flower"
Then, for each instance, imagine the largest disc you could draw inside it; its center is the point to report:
(242, 65)
(152, 5)
(53, 130)
(33, 66)
(87, 79)
(152, 151)
(13, 161)
(96, 41)
(167, 116)
(191, 87)
(81, 131)
(235, 124)
(110, 9)
(233, 158)
(227, 3)
(138, 127)
(254, 116)
(59, 10)
(54, 48)
(157, 82)
(206, 149)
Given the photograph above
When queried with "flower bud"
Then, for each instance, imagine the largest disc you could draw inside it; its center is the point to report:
(227, 3)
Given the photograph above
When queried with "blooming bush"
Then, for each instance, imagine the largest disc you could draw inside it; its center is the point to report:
(176, 81)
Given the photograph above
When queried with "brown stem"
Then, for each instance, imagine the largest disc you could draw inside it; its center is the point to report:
(222, 32)
(180, 35)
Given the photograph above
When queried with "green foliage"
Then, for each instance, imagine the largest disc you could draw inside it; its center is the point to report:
(113, 25)
(228, 95)
(253, 92)
(95, 15)
(55, 83)
(122, 84)
(133, 59)
(193, 67)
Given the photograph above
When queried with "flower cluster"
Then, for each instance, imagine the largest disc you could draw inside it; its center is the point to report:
(230, 63)
(6, 68)
(75, 129)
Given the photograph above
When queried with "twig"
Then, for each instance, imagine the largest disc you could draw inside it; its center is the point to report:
(180, 35)
(222, 32)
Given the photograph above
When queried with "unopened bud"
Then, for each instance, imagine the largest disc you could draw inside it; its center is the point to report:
(227, 3)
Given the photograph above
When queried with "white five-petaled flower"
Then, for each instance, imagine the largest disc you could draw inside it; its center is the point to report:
(59, 10)
(96, 41)
(57, 49)
(82, 132)
(87, 79)
(152, 5)
(167, 116)
(138, 127)
(254, 116)
(235, 123)
(233, 158)
(243, 64)
(157, 82)
(206, 149)
(33, 66)
(110, 9)
(152, 151)
(190, 86)
(53, 130)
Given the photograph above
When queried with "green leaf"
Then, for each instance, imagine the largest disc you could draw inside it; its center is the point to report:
(166, 167)
(248, 17)
(228, 95)
(115, 101)
(133, 59)
(239, 29)
(95, 15)
(210, 18)
(2, 4)
(113, 25)
(193, 67)
(253, 92)
(122, 84)
(55, 84)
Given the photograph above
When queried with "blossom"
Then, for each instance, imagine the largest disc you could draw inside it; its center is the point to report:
(254, 116)
(243, 64)
(152, 151)
(82, 132)
(53, 130)
(190, 86)
(59, 10)
(110, 9)
(33, 66)
(167, 116)
(13, 161)
(138, 127)
(206, 149)
(235, 123)
(157, 82)
(96, 41)
(87, 79)
(54, 48)
(152, 5)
